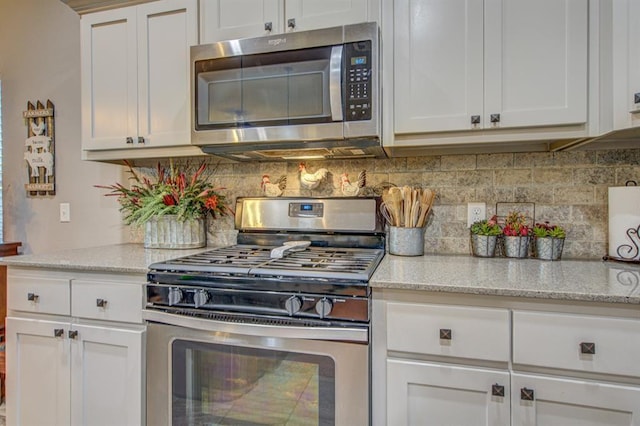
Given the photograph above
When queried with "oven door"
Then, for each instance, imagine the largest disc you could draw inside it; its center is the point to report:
(208, 372)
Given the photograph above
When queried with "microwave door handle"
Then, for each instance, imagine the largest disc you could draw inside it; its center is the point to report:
(335, 83)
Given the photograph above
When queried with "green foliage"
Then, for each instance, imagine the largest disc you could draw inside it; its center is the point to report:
(486, 227)
(543, 230)
(182, 191)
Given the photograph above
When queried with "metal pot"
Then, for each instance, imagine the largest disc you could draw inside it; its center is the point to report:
(549, 248)
(516, 246)
(483, 245)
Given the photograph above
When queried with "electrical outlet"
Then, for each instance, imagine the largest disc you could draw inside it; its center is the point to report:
(65, 212)
(475, 213)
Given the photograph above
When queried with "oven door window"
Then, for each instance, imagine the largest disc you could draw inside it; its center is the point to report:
(215, 384)
(274, 89)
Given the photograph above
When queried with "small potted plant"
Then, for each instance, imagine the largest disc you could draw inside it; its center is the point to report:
(484, 235)
(516, 233)
(549, 241)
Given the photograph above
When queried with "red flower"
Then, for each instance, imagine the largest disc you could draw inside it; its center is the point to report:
(169, 200)
(211, 202)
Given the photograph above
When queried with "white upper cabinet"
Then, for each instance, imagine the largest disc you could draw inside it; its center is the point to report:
(488, 64)
(135, 68)
(626, 64)
(234, 19)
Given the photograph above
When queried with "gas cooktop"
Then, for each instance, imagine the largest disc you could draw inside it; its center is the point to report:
(251, 260)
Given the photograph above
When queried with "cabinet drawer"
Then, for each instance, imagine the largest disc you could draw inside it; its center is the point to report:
(479, 333)
(41, 295)
(555, 340)
(105, 300)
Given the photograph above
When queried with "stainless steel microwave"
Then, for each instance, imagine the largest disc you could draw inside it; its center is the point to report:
(309, 94)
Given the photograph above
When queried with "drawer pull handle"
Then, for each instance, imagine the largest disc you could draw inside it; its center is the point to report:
(497, 390)
(445, 334)
(58, 332)
(32, 297)
(588, 348)
(475, 119)
(101, 303)
(73, 334)
(526, 394)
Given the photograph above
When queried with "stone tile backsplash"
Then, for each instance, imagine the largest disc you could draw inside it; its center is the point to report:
(568, 188)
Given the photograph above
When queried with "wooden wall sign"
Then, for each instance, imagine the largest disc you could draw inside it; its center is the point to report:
(39, 152)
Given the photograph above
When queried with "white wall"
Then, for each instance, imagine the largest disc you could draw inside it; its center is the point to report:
(40, 60)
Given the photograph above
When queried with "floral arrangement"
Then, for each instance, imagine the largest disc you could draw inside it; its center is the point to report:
(543, 230)
(515, 225)
(179, 191)
(486, 227)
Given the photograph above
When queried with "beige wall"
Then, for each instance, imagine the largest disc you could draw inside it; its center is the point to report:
(40, 60)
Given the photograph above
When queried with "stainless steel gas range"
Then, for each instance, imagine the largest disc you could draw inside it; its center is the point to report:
(273, 330)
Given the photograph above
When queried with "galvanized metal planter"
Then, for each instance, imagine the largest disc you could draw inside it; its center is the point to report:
(167, 232)
(516, 246)
(406, 241)
(549, 248)
(483, 245)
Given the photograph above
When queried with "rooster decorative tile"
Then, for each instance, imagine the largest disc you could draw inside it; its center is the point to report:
(351, 189)
(276, 189)
(311, 180)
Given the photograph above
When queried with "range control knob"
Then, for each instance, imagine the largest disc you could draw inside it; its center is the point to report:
(175, 296)
(200, 297)
(324, 307)
(293, 305)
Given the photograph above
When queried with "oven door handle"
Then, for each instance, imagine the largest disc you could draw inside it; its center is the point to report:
(347, 334)
(335, 83)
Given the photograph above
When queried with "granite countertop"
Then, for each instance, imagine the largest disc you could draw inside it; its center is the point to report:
(122, 258)
(579, 280)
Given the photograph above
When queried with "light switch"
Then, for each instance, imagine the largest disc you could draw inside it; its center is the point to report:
(65, 212)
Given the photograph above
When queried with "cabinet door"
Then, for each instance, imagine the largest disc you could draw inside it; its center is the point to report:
(107, 376)
(570, 402)
(535, 75)
(234, 19)
(438, 74)
(109, 78)
(626, 64)
(166, 30)
(441, 394)
(313, 14)
(38, 379)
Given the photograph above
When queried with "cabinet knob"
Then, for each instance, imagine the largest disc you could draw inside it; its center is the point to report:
(141, 139)
(73, 334)
(129, 139)
(475, 119)
(526, 394)
(291, 23)
(268, 26)
(636, 98)
(58, 332)
(32, 297)
(445, 334)
(588, 348)
(494, 118)
(101, 303)
(497, 390)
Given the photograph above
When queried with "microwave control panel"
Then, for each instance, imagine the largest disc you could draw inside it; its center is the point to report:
(358, 81)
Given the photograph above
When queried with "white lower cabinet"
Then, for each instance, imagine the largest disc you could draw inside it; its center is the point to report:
(443, 394)
(70, 366)
(38, 365)
(495, 363)
(550, 401)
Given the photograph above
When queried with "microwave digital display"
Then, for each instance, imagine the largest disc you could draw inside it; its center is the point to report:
(359, 60)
